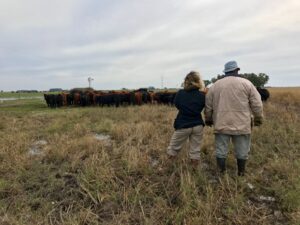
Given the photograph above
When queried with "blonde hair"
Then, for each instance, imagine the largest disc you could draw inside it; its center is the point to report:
(193, 80)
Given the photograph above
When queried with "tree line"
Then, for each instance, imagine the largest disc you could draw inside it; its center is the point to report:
(257, 80)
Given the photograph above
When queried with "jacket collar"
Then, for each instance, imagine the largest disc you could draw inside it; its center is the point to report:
(232, 75)
(191, 88)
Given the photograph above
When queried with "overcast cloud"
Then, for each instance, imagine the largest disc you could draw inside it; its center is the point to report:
(134, 43)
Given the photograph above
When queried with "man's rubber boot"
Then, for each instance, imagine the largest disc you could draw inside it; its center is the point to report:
(241, 164)
(221, 162)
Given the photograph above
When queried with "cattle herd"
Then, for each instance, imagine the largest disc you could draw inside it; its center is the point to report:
(90, 97)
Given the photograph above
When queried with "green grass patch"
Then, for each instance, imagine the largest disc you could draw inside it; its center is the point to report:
(20, 95)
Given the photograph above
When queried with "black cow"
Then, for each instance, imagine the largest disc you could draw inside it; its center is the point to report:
(51, 100)
(46, 97)
(108, 99)
(132, 98)
(59, 100)
(125, 98)
(70, 99)
(264, 93)
(165, 97)
(84, 99)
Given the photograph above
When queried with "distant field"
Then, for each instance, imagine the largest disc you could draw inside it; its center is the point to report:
(286, 96)
(289, 90)
(93, 165)
(18, 95)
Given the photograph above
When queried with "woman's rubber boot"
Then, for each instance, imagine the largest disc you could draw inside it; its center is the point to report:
(221, 162)
(241, 164)
(194, 163)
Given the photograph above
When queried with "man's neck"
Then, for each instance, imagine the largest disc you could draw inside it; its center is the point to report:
(234, 73)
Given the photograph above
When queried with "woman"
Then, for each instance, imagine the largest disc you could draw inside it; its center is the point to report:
(189, 123)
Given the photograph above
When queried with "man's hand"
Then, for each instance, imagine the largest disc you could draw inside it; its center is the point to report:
(209, 123)
(258, 120)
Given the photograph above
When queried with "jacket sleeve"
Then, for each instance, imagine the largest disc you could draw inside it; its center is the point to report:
(208, 112)
(255, 102)
(176, 100)
(203, 100)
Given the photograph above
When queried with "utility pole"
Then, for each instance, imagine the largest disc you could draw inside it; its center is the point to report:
(90, 81)
(162, 81)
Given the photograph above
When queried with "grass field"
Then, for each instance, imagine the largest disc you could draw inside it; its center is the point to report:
(108, 166)
(19, 95)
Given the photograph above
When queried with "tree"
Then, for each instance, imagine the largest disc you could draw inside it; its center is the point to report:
(257, 80)
(207, 82)
(214, 79)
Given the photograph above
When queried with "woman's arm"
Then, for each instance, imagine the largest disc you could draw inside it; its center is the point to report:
(177, 100)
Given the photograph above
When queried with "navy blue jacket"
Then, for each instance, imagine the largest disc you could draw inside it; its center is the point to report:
(190, 105)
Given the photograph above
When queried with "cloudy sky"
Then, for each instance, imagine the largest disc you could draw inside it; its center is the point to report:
(136, 43)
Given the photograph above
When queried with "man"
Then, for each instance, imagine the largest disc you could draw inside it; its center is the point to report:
(229, 105)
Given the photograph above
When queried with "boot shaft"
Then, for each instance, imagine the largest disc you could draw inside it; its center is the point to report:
(221, 162)
(241, 164)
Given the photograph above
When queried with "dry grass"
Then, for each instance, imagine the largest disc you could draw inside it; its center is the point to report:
(78, 179)
(286, 96)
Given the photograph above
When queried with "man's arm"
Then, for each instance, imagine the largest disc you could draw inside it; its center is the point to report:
(256, 106)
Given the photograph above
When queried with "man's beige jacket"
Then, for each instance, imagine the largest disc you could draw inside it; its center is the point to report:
(230, 102)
